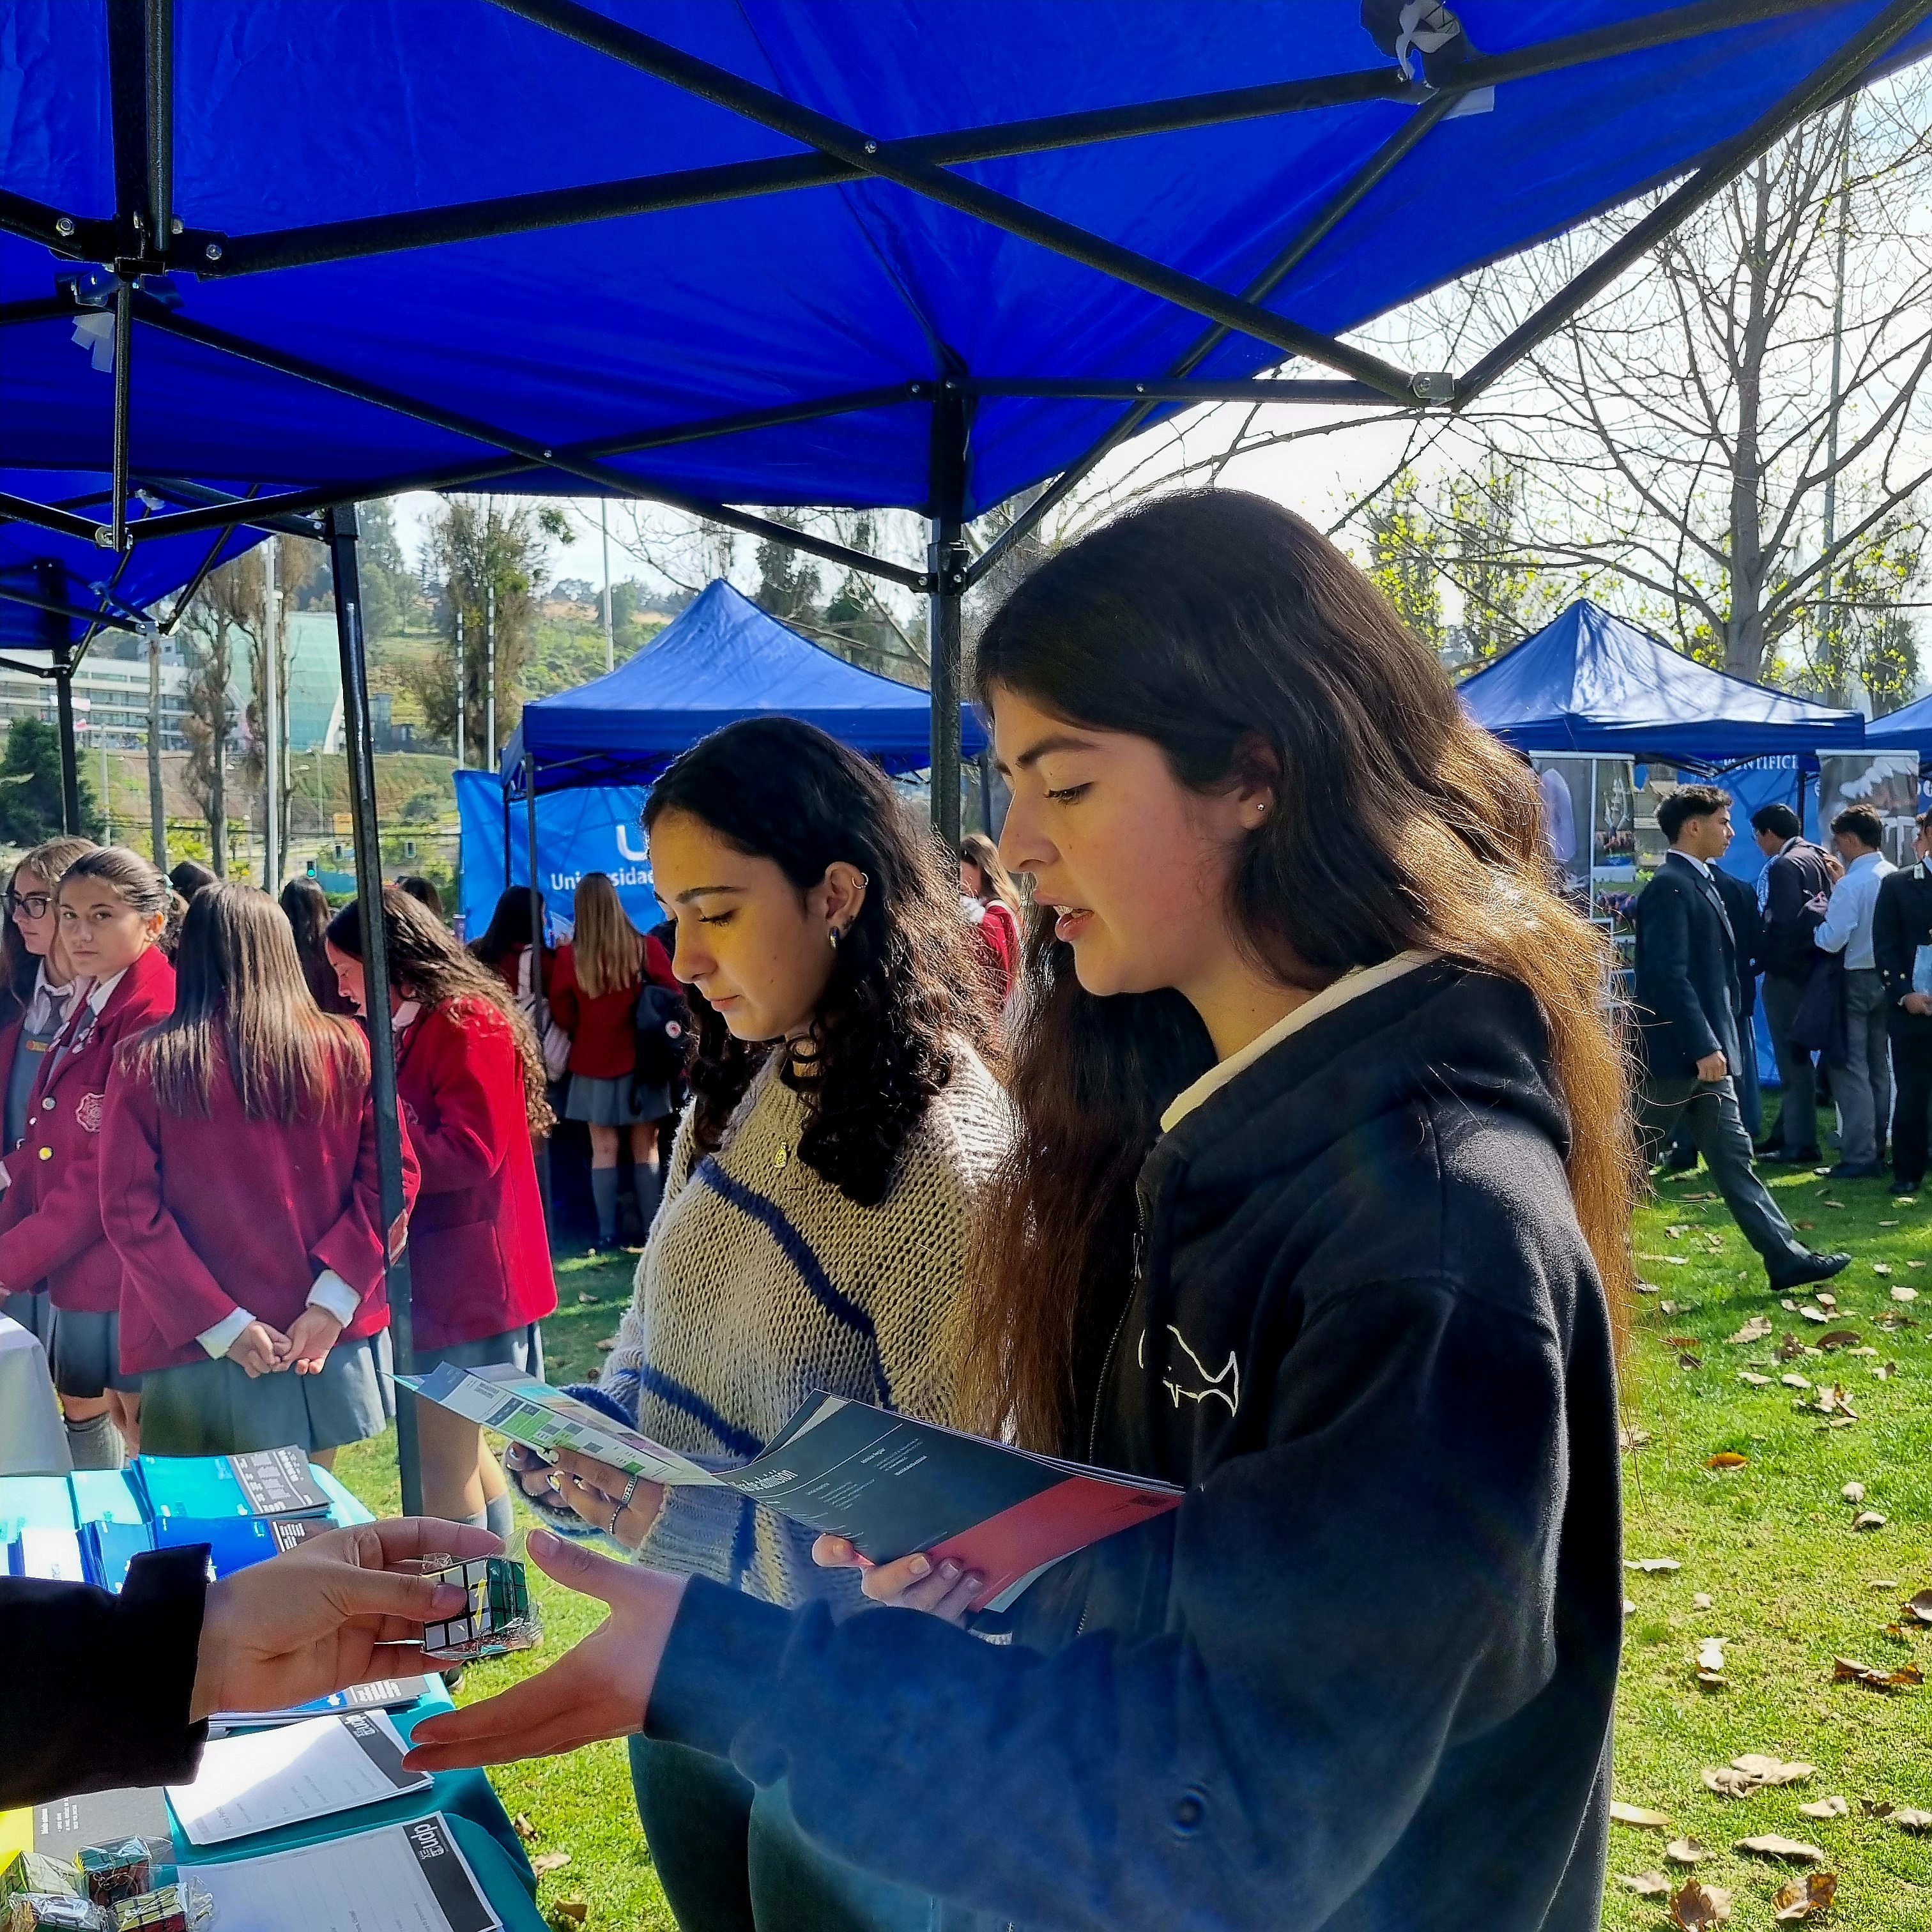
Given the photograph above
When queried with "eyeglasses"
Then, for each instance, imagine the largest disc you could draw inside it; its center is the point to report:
(34, 905)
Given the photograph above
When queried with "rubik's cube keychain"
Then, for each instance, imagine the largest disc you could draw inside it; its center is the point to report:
(499, 1619)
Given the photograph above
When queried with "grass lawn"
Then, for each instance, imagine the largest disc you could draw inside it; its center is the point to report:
(1792, 1584)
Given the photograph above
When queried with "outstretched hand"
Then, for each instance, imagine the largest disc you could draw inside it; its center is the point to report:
(945, 1590)
(332, 1611)
(600, 1689)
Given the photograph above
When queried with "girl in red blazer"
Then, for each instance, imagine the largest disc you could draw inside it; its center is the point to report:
(594, 999)
(39, 990)
(471, 1080)
(114, 907)
(238, 1185)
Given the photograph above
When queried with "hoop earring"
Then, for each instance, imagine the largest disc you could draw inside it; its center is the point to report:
(833, 936)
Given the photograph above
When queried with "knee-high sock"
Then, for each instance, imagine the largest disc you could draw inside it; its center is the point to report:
(499, 1518)
(96, 1444)
(647, 1183)
(604, 1192)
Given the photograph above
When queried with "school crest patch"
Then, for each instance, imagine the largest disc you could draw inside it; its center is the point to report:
(89, 1111)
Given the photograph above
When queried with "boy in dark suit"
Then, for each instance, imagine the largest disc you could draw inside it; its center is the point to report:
(1799, 873)
(1901, 930)
(1689, 966)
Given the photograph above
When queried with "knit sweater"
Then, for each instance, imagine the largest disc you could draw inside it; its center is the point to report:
(761, 1282)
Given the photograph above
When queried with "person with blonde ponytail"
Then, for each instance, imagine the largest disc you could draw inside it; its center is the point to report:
(1318, 1208)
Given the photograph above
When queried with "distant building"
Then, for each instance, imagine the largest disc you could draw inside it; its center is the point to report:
(314, 722)
(110, 695)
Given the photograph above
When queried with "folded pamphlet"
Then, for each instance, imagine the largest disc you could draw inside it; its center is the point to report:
(888, 1484)
(385, 1694)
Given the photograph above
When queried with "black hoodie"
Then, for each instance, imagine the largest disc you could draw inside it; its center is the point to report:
(1362, 1679)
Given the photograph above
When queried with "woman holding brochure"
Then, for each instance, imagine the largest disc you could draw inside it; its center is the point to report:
(815, 1217)
(239, 1187)
(470, 1078)
(1319, 1208)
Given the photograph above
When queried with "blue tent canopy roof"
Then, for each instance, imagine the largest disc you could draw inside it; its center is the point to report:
(1589, 681)
(721, 658)
(1907, 729)
(834, 290)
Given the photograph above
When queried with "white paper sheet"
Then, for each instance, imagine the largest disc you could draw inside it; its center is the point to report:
(399, 1878)
(266, 1779)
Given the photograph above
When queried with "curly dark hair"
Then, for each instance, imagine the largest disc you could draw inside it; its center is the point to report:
(904, 988)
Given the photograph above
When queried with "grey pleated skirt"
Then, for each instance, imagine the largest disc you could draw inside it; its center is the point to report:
(214, 1408)
(518, 1348)
(84, 1354)
(607, 1103)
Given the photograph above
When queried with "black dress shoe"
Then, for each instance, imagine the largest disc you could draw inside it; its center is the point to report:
(1901, 1185)
(1845, 1170)
(1804, 1157)
(1813, 1267)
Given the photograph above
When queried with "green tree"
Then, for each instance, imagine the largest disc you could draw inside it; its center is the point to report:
(1405, 557)
(788, 581)
(30, 786)
(1501, 603)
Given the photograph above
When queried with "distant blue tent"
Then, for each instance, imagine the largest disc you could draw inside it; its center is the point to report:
(722, 658)
(1589, 681)
(1907, 729)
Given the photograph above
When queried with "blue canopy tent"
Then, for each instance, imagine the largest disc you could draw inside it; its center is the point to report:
(1590, 682)
(1907, 729)
(928, 253)
(57, 593)
(720, 659)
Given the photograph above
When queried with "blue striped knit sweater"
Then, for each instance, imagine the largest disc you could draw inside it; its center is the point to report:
(762, 1282)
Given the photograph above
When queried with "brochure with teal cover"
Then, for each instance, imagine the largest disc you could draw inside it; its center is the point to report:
(34, 1502)
(203, 1489)
(104, 1495)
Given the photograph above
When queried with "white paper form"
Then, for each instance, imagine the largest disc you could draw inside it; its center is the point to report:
(266, 1779)
(399, 1878)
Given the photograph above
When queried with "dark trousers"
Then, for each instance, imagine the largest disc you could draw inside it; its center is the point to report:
(1912, 1072)
(1710, 1108)
(732, 1859)
(1798, 1112)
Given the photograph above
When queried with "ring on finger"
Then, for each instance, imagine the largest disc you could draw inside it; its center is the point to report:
(615, 1514)
(630, 1490)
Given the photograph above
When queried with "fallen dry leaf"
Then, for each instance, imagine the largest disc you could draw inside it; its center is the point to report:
(1920, 1606)
(1701, 1601)
(1824, 1807)
(1825, 1301)
(1728, 1782)
(1862, 1351)
(1629, 1608)
(550, 1862)
(1772, 1770)
(1755, 1380)
(1686, 1851)
(1646, 1288)
(1622, 1813)
(1646, 1884)
(1681, 1341)
(1770, 1846)
(1699, 1905)
(1896, 1632)
(1710, 1654)
(1903, 1293)
(1831, 1402)
(1755, 1330)
(1726, 1459)
(1830, 1204)
(1885, 1371)
(1888, 1224)
(604, 1348)
(1666, 1308)
(1876, 1807)
(522, 1826)
(1849, 1670)
(1853, 1492)
(1881, 1267)
(1811, 1314)
(1868, 1519)
(1789, 1348)
(575, 1909)
(1915, 1265)
(1840, 1338)
(1803, 1897)
(1907, 1819)
(1794, 1381)
(1649, 1564)
(586, 1297)
(1690, 1362)
(1675, 1232)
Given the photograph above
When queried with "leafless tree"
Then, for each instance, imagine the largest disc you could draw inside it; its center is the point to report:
(226, 616)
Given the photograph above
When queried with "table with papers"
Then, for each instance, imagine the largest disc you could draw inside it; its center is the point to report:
(455, 1814)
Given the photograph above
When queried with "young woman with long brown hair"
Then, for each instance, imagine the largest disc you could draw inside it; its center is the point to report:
(40, 989)
(470, 1078)
(991, 903)
(114, 910)
(594, 999)
(1319, 1208)
(239, 1186)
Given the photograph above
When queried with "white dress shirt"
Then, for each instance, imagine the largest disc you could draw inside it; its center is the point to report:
(1847, 927)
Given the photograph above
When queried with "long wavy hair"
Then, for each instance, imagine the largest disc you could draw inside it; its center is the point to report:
(904, 988)
(240, 998)
(426, 964)
(48, 862)
(1231, 634)
(995, 881)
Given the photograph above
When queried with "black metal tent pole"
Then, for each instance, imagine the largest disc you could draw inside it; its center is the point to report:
(341, 538)
(946, 566)
(521, 214)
